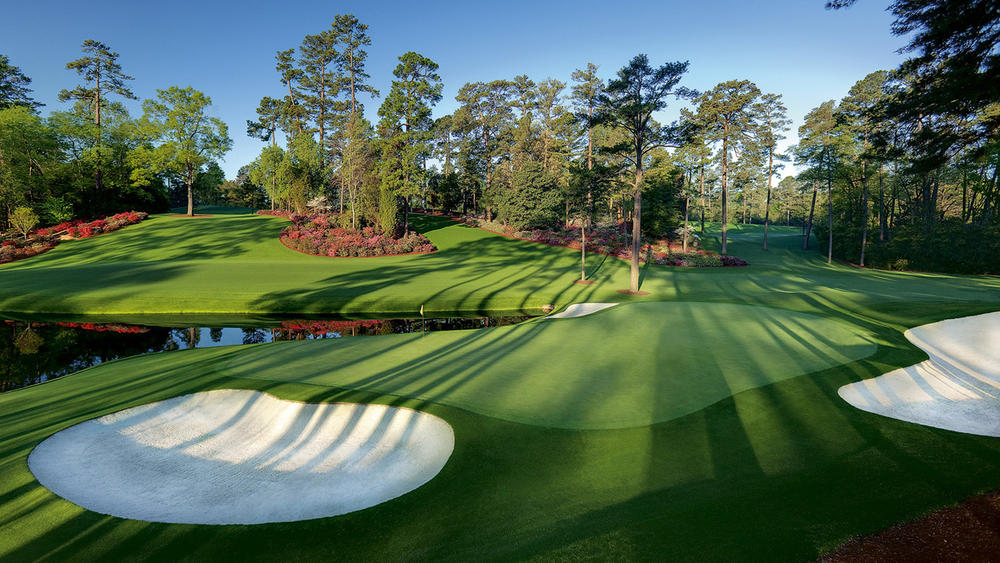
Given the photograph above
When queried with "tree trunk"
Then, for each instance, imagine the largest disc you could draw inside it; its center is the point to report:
(767, 205)
(812, 209)
(829, 197)
(881, 206)
(190, 183)
(864, 212)
(703, 202)
(725, 150)
(684, 237)
(583, 250)
(636, 228)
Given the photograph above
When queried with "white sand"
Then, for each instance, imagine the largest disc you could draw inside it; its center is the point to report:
(958, 388)
(242, 457)
(580, 310)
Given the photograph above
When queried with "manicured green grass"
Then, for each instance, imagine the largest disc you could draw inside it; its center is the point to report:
(235, 264)
(632, 365)
(698, 423)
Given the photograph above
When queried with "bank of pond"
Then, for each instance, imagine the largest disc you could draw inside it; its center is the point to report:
(33, 351)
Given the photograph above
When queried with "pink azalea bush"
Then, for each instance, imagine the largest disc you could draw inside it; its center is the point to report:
(318, 235)
(48, 238)
(614, 240)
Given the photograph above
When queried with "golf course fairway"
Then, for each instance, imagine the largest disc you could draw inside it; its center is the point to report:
(700, 422)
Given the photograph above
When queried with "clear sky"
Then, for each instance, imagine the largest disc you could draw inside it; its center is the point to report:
(226, 49)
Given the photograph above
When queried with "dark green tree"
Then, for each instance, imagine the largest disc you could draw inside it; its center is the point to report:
(406, 127)
(773, 117)
(484, 118)
(189, 137)
(102, 75)
(14, 89)
(628, 102)
(726, 115)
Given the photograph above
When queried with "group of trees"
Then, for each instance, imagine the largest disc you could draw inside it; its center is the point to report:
(94, 158)
(910, 157)
(893, 174)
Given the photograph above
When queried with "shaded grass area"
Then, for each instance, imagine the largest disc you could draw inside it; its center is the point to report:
(782, 471)
(235, 264)
(631, 365)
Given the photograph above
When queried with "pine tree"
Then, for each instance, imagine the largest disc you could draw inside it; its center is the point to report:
(102, 76)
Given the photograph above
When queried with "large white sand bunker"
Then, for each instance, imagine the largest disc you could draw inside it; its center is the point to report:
(958, 388)
(242, 457)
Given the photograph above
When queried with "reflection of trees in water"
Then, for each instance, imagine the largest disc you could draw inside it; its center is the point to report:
(254, 336)
(34, 352)
(31, 353)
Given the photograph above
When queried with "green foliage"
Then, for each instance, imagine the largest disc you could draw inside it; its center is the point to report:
(406, 132)
(28, 153)
(14, 89)
(102, 75)
(264, 172)
(301, 169)
(189, 137)
(23, 219)
(533, 200)
(55, 210)
(388, 211)
(662, 186)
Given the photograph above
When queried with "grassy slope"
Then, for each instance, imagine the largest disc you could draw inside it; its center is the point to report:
(235, 264)
(774, 471)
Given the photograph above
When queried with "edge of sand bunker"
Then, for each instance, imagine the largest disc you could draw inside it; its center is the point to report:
(957, 388)
(580, 310)
(242, 457)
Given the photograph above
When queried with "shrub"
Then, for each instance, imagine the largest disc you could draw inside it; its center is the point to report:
(319, 236)
(23, 219)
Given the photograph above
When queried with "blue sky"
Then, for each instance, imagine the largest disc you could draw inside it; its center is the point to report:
(226, 49)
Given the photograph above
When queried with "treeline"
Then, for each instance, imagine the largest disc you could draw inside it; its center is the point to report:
(516, 150)
(95, 158)
(911, 157)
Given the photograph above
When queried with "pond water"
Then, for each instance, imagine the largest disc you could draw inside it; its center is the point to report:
(36, 351)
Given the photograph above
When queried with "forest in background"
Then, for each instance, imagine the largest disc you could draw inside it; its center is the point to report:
(901, 173)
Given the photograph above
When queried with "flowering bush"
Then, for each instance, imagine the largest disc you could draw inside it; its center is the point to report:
(14, 250)
(47, 238)
(616, 240)
(317, 235)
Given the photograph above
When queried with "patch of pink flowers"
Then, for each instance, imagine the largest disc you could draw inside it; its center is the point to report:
(315, 234)
(614, 240)
(48, 238)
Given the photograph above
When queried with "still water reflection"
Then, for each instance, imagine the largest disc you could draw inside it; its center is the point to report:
(34, 352)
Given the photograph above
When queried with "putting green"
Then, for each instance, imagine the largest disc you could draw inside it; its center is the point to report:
(631, 365)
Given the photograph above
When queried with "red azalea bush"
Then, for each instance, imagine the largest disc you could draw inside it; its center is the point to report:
(47, 238)
(317, 235)
(613, 240)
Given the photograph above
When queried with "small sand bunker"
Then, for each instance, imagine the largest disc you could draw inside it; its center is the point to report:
(581, 310)
(242, 457)
(958, 388)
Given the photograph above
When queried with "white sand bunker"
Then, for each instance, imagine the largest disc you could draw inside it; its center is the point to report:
(580, 310)
(958, 388)
(242, 457)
